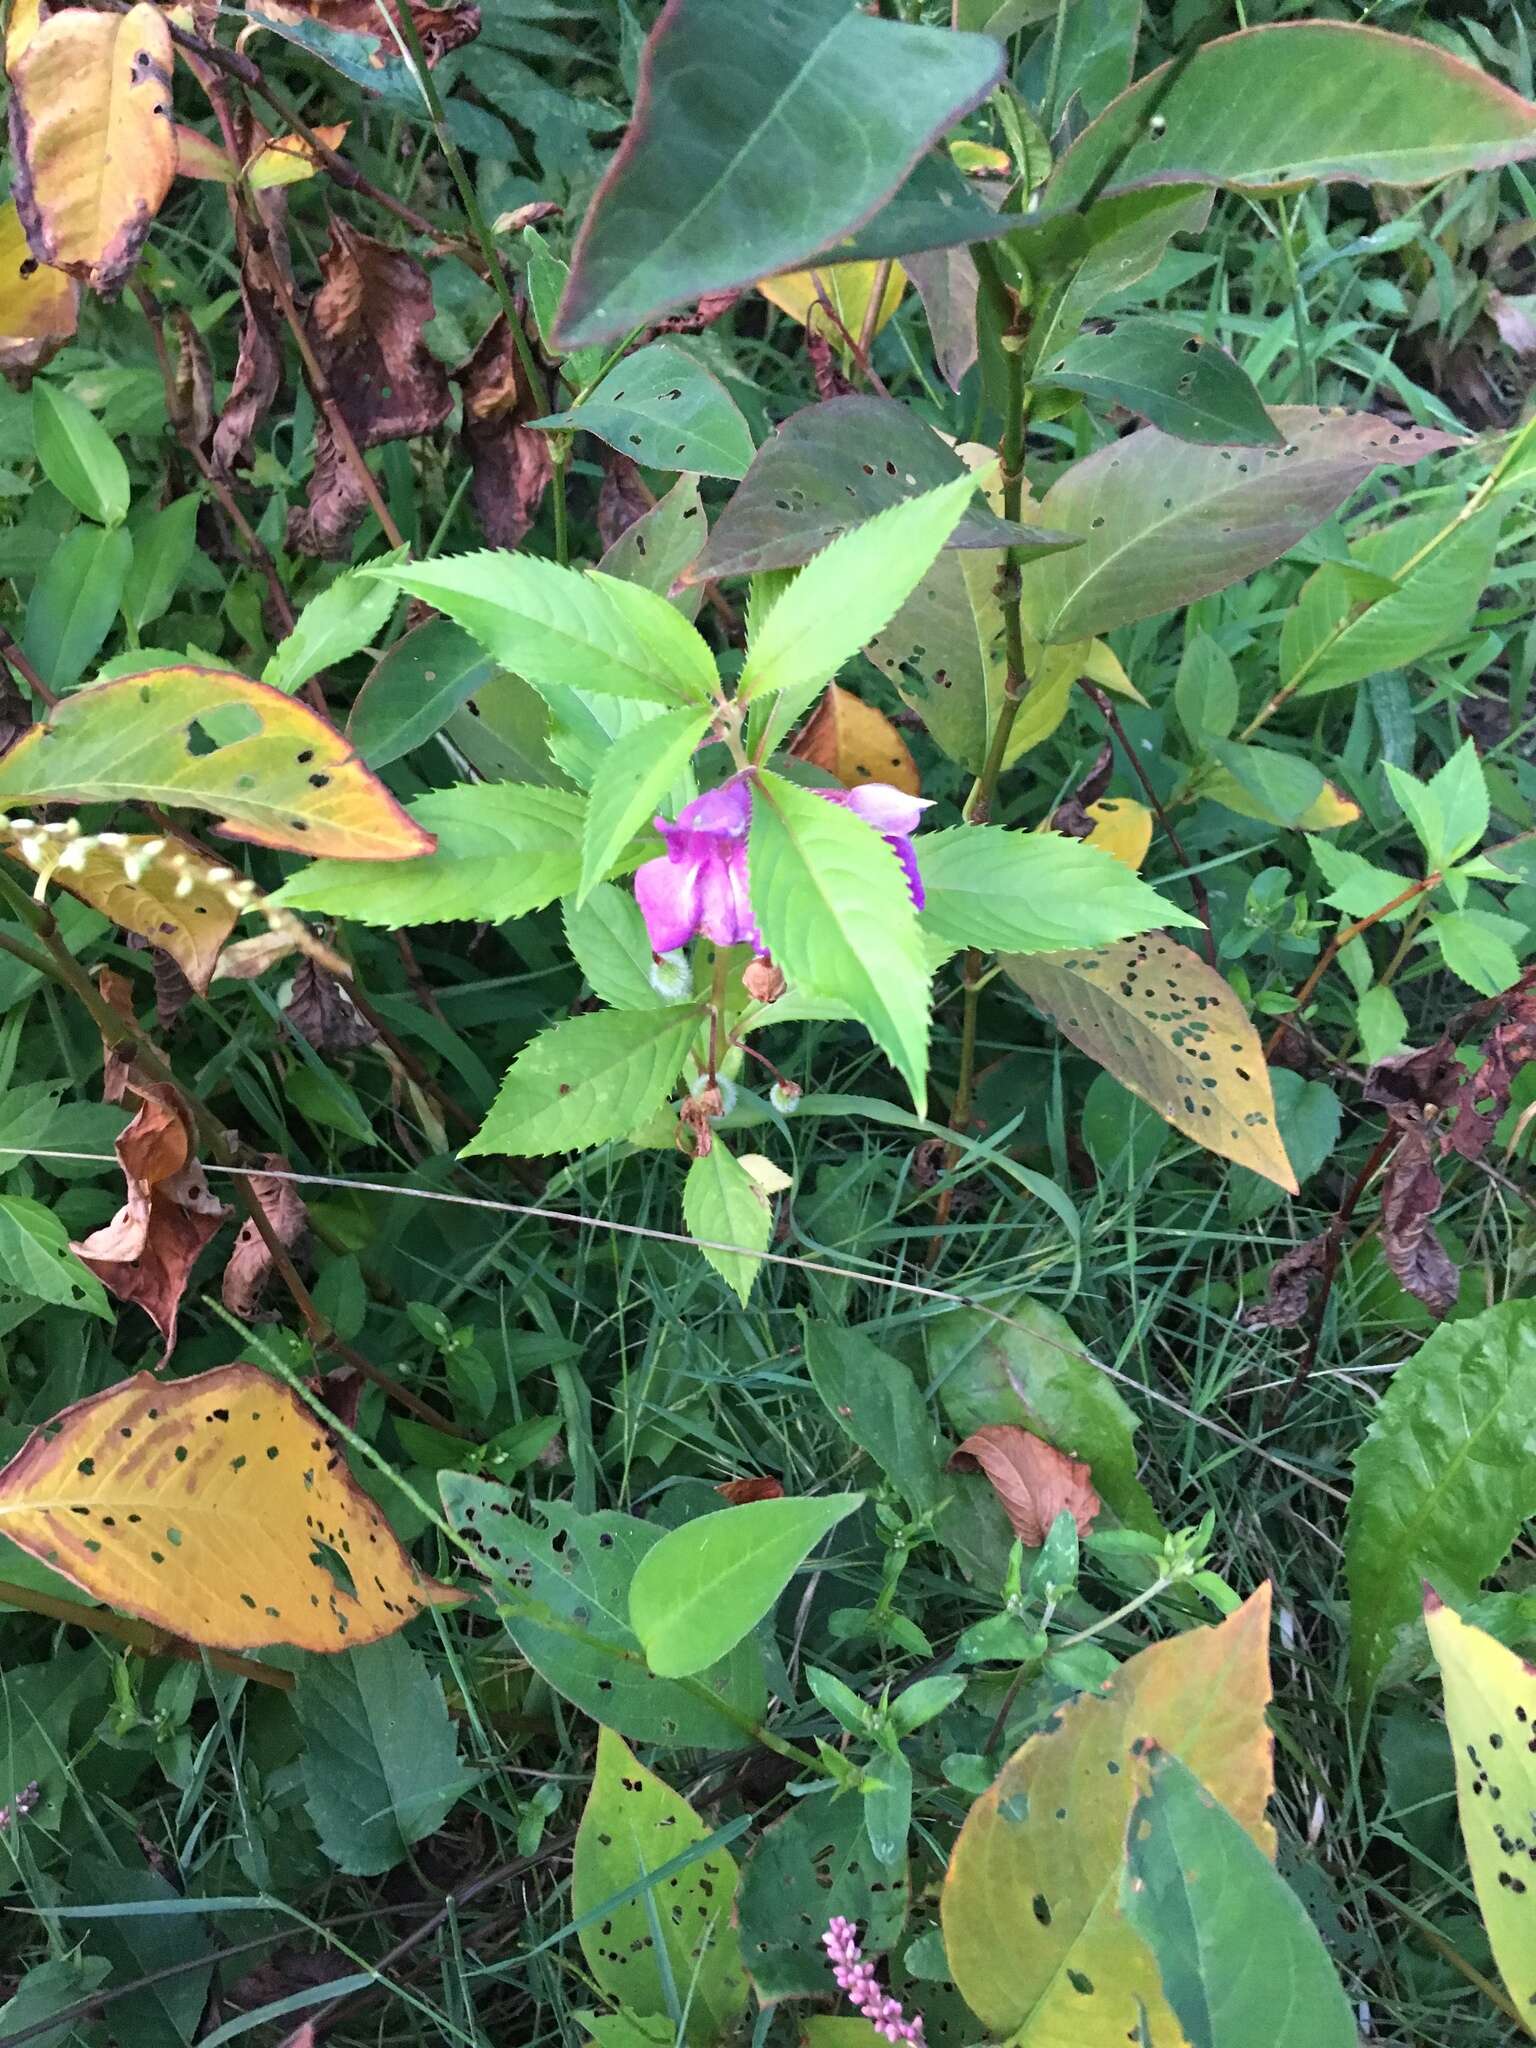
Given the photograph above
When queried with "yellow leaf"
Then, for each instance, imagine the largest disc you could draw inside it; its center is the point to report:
(1122, 827)
(1331, 810)
(1490, 1715)
(200, 1506)
(766, 1178)
(199, 156)
(94, 138)
(289, 159)
(276, 771)
(1032, 1922)
(847, 287)
(39, 306)
(854, 743)
(1102, 665)
(1173, 1032)
(25, 20)
(976, 157)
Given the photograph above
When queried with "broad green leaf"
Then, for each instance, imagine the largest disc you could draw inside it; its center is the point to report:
(674, 1947)
(381, 1763)
(503, 849)
(74, 602)
(162, 549)
(587, 1081)
(710, 1582)
(1490, 1710)
(150, 1939)
(700, 198)
(571, 1618)
(415, 689)
(568, 627)
(50, 1988)
(209, 1492)
(269, 768)
(1444, 1480)
(345, 616)
(502, 729)
(1329, 638)
(36, 1261)
(1239, 1959)
(1033, 892)
(845, 595)
(1282, 789)
(1479, 948)
(832, 903)
(665, 411)
(78, 456)
(812, 1864)
(723, 1205)
(1188, 387)
(630, 782)
(1167, 521)
(1096, 58)
(1205, 694)
(1172, 1031)
(874, 1399)
(1039, 1378)
(662, 545)
(1460, 790)
(1291, 104)
(827, 470)
(611, 946)
(1033, 1925)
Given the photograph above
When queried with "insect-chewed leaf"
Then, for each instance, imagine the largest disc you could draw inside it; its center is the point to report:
(278, 774)
(1032, 1921)
(39, 306)
(1490, 1712)
(93, 139)
(1172, 1031)
(217, 1507)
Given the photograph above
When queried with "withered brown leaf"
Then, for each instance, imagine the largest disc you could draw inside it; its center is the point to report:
(321, 1011)
(1033, 1481)
(510, 463)
(738, 1492)
(1290, 1287)
(259, 363)
(1410, 1195)
(250, 1264)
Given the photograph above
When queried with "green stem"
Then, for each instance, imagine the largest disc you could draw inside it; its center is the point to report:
(559, 459)
(1053, 76)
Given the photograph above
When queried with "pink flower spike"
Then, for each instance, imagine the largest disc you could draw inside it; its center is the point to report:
(857, 1978)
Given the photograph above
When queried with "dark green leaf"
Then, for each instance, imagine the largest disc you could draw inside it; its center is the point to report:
(663, 410)
(1188, 387)
(875, 1400)
(75, 601)
(415, 690)
(814, 1863)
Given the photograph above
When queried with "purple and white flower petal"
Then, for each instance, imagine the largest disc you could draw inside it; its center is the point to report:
(895, 816)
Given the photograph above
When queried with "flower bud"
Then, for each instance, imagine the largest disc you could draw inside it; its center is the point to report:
(672, 976)
(763, 980)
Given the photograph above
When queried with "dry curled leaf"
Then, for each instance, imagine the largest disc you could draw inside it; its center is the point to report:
(441, 28)
(217, 1507)
(365, 326)
(854, 743)
(194, 380)
(1033, 1481)
(738, 1492)
(321, 1011)
(1482, 1098)
(251, 1263)
(259, 361)
(1410, 1194)
(39, 306)
(145, 1255)
(510, 464)
(1289, 1292)
(93, 141)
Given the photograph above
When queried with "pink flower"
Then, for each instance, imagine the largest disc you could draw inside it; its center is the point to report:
(700, 883)
(856, 1978)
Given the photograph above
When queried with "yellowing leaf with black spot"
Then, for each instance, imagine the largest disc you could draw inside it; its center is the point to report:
(158, 891)
(216, 1507)
(39, 307)
(93, 140)
(1123, 827)
(855, 743)
(1037, 1943)
(1490, 1715)
(271, 770)
(1172, 1031)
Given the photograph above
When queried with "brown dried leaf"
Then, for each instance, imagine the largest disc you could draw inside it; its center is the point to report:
(738, 1492)
(511, 463)
(146, 1253)
(1290, 1287)
(1515, 318)
(321, 1011)
(441, 28)
(39, 307)
(1426, 1079)
(365, 325)
(93, 141)
(250, 1263)
(194, 380)
(1410, 1195)
(1033, 1481)
(259, 364)
(711, 307)
(854, 743)
(1482, 1098)
(622, 500)
(830, 381)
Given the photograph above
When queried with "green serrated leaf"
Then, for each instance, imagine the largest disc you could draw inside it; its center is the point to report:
(611, 946)
(1033, 892)
(36, 1261)
(723, 1205)
(631, 780)
(345, 616)
(587, 1081)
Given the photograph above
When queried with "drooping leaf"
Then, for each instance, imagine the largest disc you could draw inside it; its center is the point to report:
(1297, 102)
(78, 455)
(1033, 892)
(1490, 1712)
(1172, 1031)
(36, 1260)
(814, 1863)
(632, 1826)
(578, 1570)
(568, 629)
(1166, 521)
(663, 409)
(1190, 388)
(93, 141)
(510, 461)
(699, 199)
(202, 1505)
(834, 909)
(39, 306)
(501, 850)
(381, 1763)
(1033, 1926)
(157, 889)
(723, 1205)
(848, 288)
(415, 689)
(829, 468)
(631, 781)
(855, 743)
(274, 772)
(1034, 1482)
(1239, 1959)
(710, 1582)
(1444, 1479)
(588, 1080)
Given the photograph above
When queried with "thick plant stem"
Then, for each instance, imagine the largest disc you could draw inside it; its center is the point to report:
(140, 1636)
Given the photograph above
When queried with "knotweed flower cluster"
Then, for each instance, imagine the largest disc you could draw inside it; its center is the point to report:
(857, 1978)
